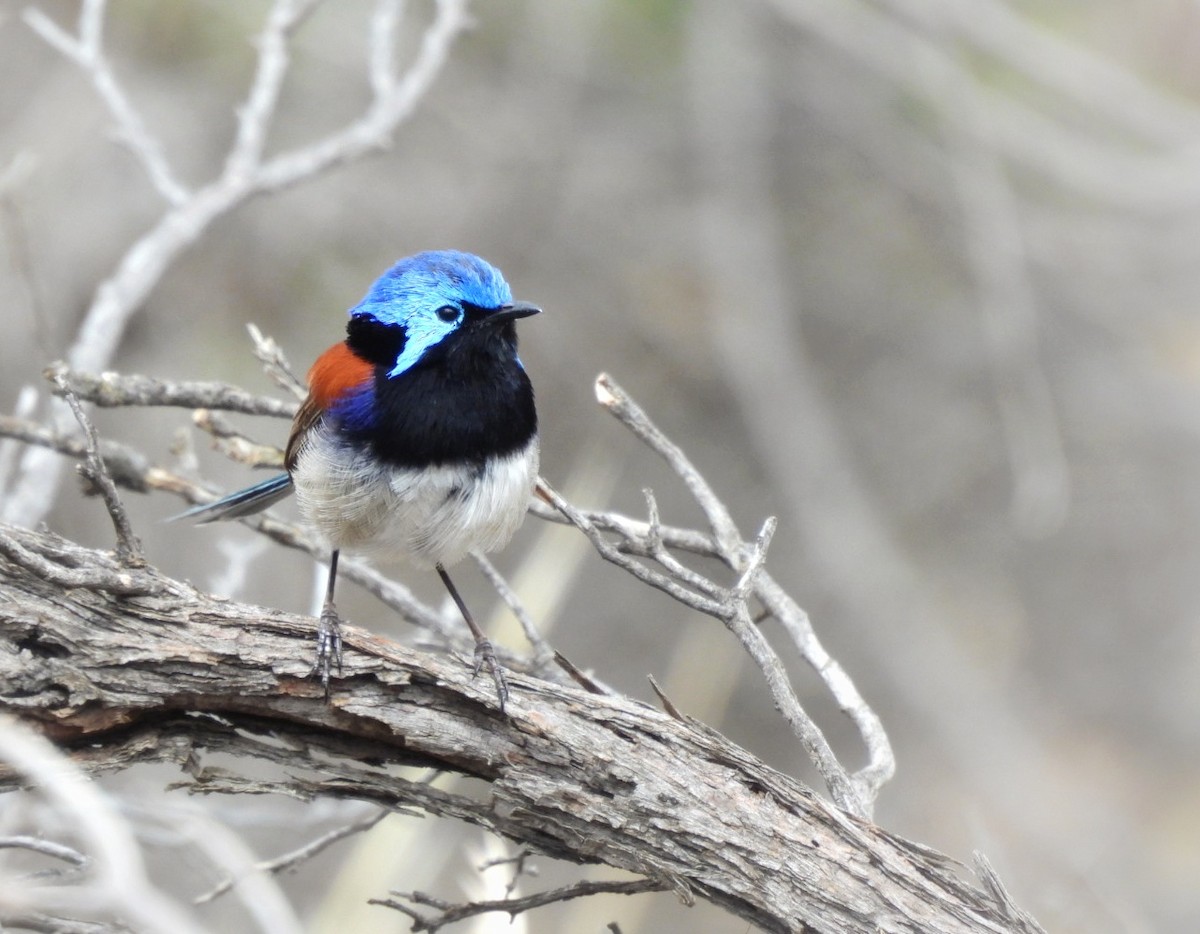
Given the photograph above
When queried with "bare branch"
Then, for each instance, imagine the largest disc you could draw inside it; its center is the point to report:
(614, 555)
(87, 52)
(616, 401)
(46, 848)
(235, 445)
(119, 389)
(1007, 306)
(745, 584)
(449, 913)
(575, 775)
(255, 115)
(520, 864)
(385, 22)
(129, 549)
(582, 678)
(543, 652)
(299, 855)
(275, 363)
(118, 878)
(649, 538)
(373, 131)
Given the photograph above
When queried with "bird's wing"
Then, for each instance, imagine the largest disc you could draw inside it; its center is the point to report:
(334, 373)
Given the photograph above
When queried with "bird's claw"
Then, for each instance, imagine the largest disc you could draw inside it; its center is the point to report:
(486, 655)
(329, 647)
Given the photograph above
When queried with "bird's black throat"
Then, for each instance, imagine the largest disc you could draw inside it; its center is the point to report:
(467, 400)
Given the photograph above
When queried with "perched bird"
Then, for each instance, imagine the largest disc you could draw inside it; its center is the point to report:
(418, 439)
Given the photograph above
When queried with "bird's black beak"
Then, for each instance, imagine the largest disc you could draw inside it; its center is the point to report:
(513, 311)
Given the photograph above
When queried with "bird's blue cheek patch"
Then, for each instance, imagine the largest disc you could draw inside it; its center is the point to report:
(422, 332)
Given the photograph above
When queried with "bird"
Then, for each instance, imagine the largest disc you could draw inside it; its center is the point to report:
(418, 439)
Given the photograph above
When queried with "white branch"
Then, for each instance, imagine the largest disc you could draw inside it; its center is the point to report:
(120, 883)
(244, 176)
(373, 130)
(87, 52)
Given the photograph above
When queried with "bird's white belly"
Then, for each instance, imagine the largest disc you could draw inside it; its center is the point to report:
(426, 517)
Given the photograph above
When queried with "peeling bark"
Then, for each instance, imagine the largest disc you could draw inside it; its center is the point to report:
(164, 672)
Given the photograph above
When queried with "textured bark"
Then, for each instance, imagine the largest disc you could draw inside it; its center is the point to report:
(117, 679)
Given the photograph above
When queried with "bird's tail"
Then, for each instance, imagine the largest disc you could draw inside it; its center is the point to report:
(242, 503)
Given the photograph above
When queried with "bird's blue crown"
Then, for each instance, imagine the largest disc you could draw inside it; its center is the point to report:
(414, 292)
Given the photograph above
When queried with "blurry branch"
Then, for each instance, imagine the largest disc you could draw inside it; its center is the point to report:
(116, 879)
(738, 556)
(1111, 172)
(276, 364)
(181, 676)
(1063, 67)
(246, 174)
(86, 50)
(738, 243)
(14, 233)
(996, 254)
(46, 848)
(189, 824)
(893, 613)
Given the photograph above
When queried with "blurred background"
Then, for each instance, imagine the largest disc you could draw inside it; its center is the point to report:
(920, 277)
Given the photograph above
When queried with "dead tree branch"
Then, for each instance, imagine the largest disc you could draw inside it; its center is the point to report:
(174, 675)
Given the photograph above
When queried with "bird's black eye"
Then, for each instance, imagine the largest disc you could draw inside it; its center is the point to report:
(448, 313)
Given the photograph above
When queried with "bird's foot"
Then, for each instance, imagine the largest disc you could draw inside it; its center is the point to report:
(486, 655)
(329, 646)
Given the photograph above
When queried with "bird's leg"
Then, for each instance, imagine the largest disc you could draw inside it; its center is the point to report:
(329, 632)
(484, 653)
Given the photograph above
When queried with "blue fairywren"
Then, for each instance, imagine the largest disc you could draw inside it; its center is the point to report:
(418, 438)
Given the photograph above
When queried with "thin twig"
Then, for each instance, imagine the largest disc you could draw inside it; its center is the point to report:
(275, 363)
(450, 913)
(745, 584)
(255, 115)
(668, 704)
(614, 555)
(519, 862)
(129, 549)
(618, 402)
(543, 652)
(374, 129)
(299, 855)
(657, 550)
(234, 444)
(635, 533)
(580, 677)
